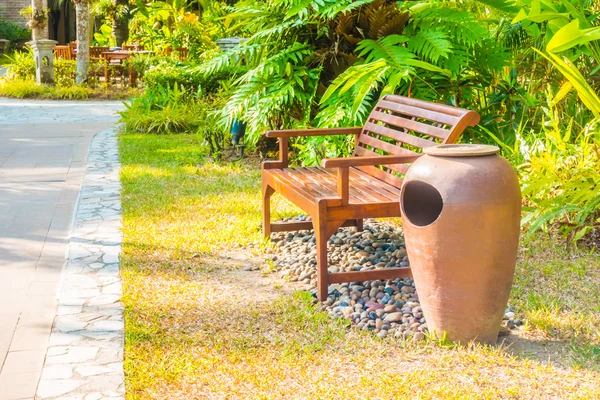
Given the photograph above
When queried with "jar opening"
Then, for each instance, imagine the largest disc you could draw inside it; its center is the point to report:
(422, 204)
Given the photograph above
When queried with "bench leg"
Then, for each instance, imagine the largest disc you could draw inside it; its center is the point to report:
(323, 231)
(267, 192)
(359, 225)
(321, 241)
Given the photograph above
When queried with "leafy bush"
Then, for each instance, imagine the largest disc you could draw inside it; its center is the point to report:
(21, 65)
(23, 89)
(162, 110)
(12, 31)
(169, 74)
(176, 109)
(561, 182)
(20, 89)
(72, 92)
(64, 72)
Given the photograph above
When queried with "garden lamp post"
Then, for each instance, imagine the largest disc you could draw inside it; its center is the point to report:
(43, 49)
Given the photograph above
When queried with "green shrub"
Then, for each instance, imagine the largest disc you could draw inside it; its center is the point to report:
(64, 72)
(12, 31)
(20, 89)
(73, 92)
(21, 65)
(166, 110)
(162, 110)
(186, 76)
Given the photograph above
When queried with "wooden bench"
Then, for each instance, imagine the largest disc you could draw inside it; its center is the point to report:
(344, 191)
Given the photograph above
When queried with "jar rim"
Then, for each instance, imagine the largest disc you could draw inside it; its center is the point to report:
(461, 150)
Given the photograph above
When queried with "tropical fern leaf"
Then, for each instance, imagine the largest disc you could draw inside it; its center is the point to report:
(507, 6)
(491, 56)
(459, 25)
(430, 45)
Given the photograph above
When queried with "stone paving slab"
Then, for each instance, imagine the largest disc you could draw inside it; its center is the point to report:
(85, 353)
(41, 169)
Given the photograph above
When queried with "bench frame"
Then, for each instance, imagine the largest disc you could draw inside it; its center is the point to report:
(330, 212)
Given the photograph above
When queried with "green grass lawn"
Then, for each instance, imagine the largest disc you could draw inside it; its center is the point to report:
(199, 327)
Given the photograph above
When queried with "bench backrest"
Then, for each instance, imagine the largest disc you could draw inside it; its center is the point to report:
(402, 125)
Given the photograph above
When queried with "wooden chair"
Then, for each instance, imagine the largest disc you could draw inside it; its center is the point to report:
(182, 52)
(96, 52)
(132, 47)
(344, 191)
(72, 47)
(63, 52)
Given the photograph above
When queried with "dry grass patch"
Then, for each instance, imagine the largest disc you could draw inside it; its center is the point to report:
(198, 327)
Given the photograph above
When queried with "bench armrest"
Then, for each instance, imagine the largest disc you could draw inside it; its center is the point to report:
(370, 160)
(287, 133)
(283, 136)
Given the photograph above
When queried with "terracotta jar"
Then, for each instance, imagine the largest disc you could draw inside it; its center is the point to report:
(461, 210)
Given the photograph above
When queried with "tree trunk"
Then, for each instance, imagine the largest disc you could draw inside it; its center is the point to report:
(121, 22)
(36, 7)
(83, 16)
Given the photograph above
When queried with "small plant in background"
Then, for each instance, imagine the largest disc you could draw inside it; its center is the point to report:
(12, 31)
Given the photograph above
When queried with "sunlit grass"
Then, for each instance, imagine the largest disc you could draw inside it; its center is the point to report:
(198, 327)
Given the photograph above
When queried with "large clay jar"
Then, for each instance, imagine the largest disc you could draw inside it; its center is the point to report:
(461, 208)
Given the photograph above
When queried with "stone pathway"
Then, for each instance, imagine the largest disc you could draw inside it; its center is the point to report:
(43, 150)
(85, 354)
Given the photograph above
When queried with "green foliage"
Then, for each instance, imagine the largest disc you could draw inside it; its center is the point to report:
(20, 89)
(12, 31)
(161, 110)
(104, 36)
(176, 109)
(170, 73)
(21, 65)
(560, 178)
(172, 24)
(23, 89)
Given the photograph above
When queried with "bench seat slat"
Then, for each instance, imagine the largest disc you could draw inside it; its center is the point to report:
(362, 190)
(362, 187)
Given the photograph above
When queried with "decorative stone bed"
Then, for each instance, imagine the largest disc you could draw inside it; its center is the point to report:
(386, 307)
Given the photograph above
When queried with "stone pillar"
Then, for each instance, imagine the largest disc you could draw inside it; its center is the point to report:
(43, 51)
(4, 46)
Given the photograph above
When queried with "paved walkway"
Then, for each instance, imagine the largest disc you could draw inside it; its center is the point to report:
(43, 151)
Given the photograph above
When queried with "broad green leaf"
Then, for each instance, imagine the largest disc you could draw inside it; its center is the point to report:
(587, 95)
(565, 88)
(571, 35)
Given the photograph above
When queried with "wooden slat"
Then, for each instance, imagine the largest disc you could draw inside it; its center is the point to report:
(369, 210)
(381, 175)
(318, 191)
(385, 189)
(361, 276)
(302, 226)
(296, 185)
(365, 189)
(400, 168)
(400, 136)
(443, 118)
(291, 226)
(318, 178)
(409, 124)
(299, 197)
(313, 132)
(442, 108)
